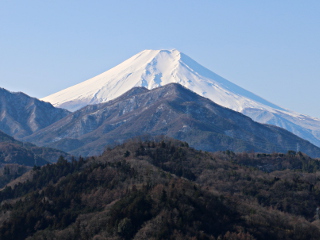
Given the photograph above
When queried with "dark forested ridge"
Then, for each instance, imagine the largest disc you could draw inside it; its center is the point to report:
(9, 172)
(17, 157)
(13, 151)
(163, 189)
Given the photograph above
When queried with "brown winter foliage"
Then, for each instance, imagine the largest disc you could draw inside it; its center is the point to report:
(163, 189)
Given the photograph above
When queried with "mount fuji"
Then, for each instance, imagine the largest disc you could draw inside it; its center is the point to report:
(155, 68)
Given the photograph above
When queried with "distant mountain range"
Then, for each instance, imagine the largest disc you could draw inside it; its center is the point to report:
(21, 115)
(171, 110)
(154, 68)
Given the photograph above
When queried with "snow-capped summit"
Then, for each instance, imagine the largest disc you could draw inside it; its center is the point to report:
(154, 68)
(151, 69)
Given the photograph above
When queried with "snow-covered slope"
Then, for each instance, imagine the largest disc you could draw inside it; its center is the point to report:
(154, 68)
(151, 69)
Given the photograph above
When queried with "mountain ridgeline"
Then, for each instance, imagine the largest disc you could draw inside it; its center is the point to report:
(155, 68)
(171, 110)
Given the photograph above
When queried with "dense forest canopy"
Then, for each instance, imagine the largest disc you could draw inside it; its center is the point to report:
(163, 189)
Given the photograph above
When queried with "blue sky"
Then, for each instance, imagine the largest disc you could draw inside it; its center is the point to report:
(271, 48)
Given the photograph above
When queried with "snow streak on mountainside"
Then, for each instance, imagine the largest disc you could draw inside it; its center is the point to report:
(154, 68)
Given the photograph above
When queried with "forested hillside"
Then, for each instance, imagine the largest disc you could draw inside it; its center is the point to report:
(163, 189)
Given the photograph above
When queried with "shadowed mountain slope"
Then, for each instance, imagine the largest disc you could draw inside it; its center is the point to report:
(21, 115)
(171, 110)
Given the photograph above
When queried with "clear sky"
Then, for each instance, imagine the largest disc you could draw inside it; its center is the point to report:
(271, 48)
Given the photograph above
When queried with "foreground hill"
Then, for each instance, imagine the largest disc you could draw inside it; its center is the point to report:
(155, 68)
(163, 190)
(21, 115)
(171, 110)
